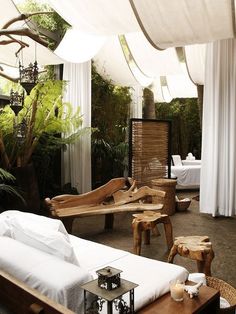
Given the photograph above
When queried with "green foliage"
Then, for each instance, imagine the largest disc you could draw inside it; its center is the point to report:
(7, 188)
(186, 132)
(110, 109)
(52, 117)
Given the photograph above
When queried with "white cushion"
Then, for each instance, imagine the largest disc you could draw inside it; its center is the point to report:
(176, 160)
(45, 234)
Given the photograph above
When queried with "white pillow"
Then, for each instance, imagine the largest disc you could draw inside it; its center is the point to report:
(42, 238)
(46, 234)
(42, 221)
(5, 229)
(177, 160)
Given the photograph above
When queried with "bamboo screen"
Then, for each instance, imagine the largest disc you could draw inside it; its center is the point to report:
(149, 150)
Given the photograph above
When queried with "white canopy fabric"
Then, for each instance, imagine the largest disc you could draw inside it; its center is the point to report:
(168, 23)
(7, 52)
(111, 63)
(195, 60)
(218, 173)
(100, 17)
(79, 47)
(152, 62)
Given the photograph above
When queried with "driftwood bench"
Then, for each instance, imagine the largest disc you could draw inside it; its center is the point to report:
(117, 196)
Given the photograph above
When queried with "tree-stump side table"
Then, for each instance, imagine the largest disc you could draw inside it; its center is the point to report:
(146, 222)
(197, 248)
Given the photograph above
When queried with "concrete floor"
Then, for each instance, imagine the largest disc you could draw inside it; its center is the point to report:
(221, 231)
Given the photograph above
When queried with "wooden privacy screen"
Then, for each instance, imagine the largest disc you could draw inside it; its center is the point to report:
(149, 150)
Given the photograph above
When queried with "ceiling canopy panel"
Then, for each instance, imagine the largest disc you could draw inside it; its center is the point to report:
(168, 23)
(195, 59)
(152, 62)
(110, 63)
(78, 47)
(103, 17)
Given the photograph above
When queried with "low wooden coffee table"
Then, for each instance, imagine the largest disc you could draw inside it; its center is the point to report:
(206, 303)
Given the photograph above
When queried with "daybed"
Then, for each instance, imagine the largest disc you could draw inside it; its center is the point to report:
(187, 172)
(39, 252)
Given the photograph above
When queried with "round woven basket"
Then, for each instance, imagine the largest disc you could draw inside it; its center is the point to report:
(226, 291)
(182, 205)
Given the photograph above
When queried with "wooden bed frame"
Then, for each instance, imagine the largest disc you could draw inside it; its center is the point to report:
(16, 297)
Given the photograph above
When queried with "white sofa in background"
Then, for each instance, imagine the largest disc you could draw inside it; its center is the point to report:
(37, 263)
(187, 172)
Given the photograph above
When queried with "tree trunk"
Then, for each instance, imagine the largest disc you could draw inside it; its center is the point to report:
(200, 92)
(149, 111)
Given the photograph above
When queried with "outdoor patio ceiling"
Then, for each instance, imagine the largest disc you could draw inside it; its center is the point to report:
(164, 23)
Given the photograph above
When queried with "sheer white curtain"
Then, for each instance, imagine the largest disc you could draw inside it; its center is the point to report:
(76, 161)
(218, 173)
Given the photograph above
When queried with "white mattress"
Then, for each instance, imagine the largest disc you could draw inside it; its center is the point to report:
(186, 175)
(152, 276)
(61, 280)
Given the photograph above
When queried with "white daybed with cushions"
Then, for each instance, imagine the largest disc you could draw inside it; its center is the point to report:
(28, 252)
(187, 172)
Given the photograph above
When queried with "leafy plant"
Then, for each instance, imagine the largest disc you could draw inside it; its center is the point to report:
(7, 188)
(186, 130)
(44, 115)
(110, 110)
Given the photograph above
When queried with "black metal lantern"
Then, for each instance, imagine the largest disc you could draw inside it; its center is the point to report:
(108, 278)
(109, 288)
(28, 76)
(16, 101)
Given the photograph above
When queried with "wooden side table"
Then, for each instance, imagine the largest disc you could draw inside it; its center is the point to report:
(198, 248)
(207, 302)
(146, 222)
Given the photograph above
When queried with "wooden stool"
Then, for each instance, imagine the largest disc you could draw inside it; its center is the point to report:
(196, 248)
(147, 221)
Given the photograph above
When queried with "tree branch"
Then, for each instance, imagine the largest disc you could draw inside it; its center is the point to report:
(23, 17)
(15, 80)
(3, 154)
(24, 31)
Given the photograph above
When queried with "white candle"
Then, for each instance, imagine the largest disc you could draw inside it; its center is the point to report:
(177, 291)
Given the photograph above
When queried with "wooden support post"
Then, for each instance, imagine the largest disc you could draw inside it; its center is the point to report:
(109, 221)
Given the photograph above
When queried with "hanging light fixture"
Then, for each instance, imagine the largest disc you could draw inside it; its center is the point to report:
(16, 101)
(28, 76)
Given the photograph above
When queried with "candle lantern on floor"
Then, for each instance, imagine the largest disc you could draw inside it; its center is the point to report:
(109, 288)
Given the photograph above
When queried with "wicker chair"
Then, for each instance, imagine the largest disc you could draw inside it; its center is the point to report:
(226, 291)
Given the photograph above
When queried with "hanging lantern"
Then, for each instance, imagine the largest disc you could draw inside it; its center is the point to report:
(16, 101)
(28, 76)
(20, 131)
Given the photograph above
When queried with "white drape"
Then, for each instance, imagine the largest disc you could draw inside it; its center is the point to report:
(218, 173)
(76, 161)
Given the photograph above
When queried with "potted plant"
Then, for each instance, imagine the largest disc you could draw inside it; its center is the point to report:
(44, 114)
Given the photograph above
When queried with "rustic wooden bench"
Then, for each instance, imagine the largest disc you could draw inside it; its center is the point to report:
(116, 196)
